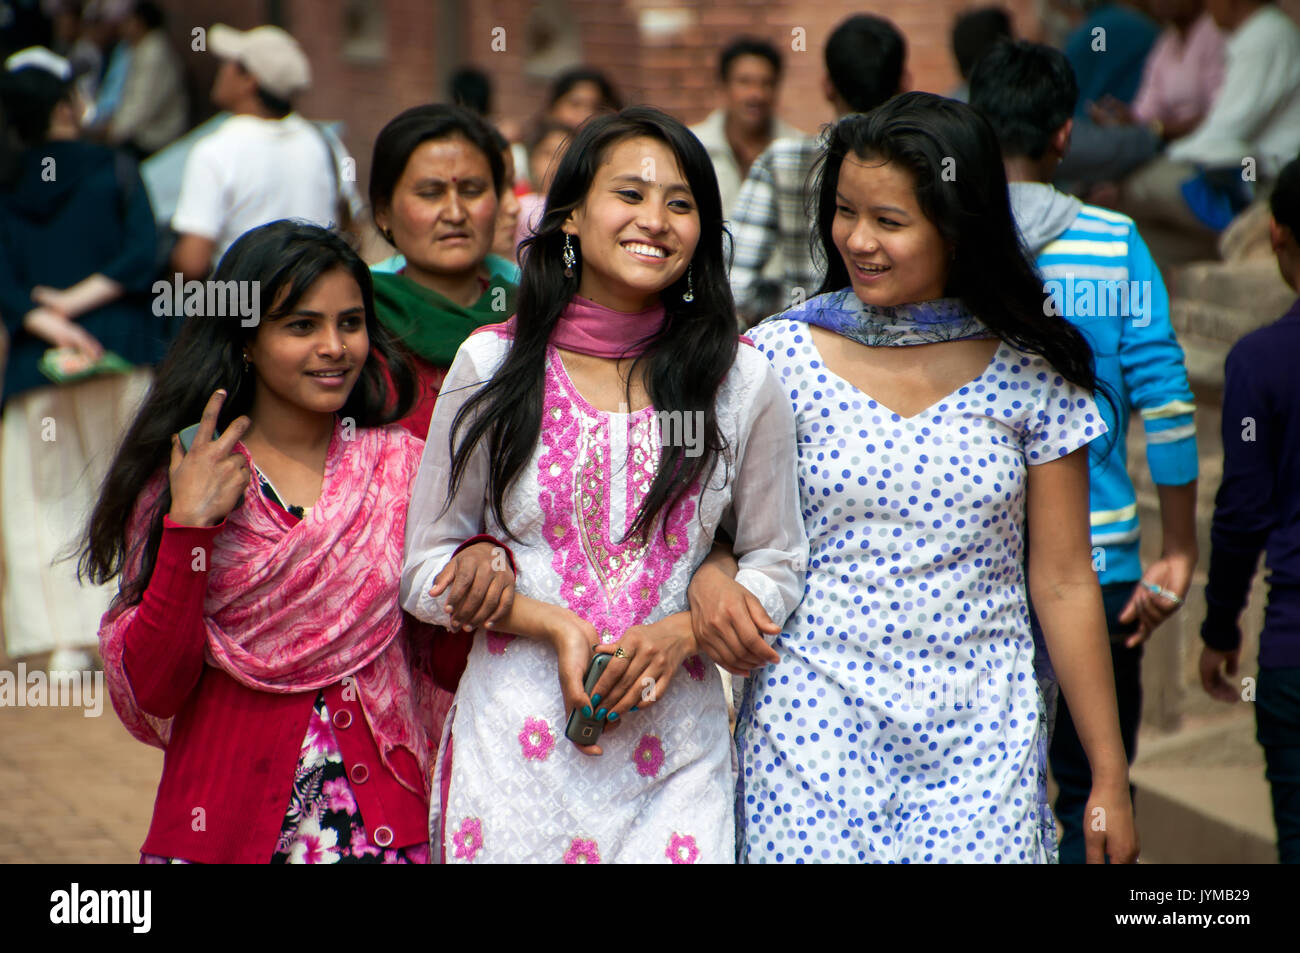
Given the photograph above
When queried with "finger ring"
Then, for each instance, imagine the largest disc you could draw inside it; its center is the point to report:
(1164, 593)
(619, 653)
(594, 647)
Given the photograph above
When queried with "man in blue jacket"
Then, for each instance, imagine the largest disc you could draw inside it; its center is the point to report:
(1102, 278)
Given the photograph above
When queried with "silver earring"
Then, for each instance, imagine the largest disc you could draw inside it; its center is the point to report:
(690, 290)
(570, 259)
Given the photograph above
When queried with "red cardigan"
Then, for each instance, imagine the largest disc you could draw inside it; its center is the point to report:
(228, 769)
(429, 379)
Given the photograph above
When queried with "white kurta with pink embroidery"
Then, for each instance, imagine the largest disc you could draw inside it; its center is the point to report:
(663, 790)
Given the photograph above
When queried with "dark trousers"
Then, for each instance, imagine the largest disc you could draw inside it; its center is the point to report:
(1277, 728)
(1066, 755)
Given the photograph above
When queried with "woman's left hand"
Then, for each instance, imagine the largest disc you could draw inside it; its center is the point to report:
(1108, 828)
(651, 655)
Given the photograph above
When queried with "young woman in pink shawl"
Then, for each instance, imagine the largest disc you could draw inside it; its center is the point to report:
(257, 635)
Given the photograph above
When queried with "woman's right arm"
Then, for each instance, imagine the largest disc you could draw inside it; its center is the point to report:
(434, 533)
(738, 607)
(435, 527)
(163, 643)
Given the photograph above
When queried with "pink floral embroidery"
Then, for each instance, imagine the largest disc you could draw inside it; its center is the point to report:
(497, 642)
(695, 667)
(682, 849)
(648, 756)
(339, 795)
(536, 739)
(613, 585)
(469, 839)
(582, 852)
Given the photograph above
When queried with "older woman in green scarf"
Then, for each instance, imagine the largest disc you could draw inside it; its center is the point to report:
(435, 185)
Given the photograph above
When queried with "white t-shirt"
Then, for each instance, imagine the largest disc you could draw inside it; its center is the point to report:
(251, 171)
(1257, 111)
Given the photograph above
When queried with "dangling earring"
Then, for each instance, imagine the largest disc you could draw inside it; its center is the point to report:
(570, 259)
(690, 290)
(247, 363)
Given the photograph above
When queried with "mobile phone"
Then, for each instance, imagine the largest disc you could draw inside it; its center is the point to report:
(580, 729)
(187, 436)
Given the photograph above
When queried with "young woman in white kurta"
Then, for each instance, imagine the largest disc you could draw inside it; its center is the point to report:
(659, 786)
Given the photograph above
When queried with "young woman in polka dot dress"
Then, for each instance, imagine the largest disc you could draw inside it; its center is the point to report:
(942, 417)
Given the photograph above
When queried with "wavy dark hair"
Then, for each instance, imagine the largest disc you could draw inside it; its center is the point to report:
(684, 364)
(991, 271)
(286, 258)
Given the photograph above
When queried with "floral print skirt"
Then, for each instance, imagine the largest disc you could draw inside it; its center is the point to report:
(323, 824)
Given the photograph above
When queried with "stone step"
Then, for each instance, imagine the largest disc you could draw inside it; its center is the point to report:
(1202, 797)
(1253, 286)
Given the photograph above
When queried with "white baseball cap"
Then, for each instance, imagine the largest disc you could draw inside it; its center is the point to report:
(274, 58)
(40, 58)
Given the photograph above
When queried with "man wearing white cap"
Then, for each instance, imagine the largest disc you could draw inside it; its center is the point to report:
(264, 163)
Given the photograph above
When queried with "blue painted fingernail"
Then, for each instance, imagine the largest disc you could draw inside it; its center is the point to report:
(595, 699)
(600, 714)
(634, 708)
(613, 716)
(586, 711)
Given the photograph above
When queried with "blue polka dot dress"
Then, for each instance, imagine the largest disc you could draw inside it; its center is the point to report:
(902, 722)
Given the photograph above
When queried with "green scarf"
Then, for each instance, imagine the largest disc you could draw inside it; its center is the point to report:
(429, 324)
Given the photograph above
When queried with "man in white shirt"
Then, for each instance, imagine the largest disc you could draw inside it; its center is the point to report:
(749, 74)
(264, 163)
(1252, 130)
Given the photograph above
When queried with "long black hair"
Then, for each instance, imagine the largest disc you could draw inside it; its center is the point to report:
(684, 364)
(991, 271)
(285, 258)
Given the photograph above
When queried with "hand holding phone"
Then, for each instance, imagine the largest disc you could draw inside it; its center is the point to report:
(584, 728)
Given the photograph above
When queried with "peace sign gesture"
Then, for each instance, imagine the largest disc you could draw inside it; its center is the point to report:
(209, 480)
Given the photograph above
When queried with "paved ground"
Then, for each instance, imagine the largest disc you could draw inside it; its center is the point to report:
(73, 789)
(80, 790)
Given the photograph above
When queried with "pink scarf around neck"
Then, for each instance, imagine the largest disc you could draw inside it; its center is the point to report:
(590, 328)
(296, 607)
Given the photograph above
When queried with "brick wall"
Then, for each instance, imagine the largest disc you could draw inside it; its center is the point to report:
(425, 40)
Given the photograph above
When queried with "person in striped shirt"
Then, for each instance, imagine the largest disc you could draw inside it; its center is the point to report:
(772, 222)
(1100, 275)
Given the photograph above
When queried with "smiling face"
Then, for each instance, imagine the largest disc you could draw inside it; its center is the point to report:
(893, 253)
(310, 358)
(637, 228)
(443, 212)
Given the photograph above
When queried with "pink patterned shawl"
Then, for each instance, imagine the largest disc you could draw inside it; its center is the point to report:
(294, 607)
